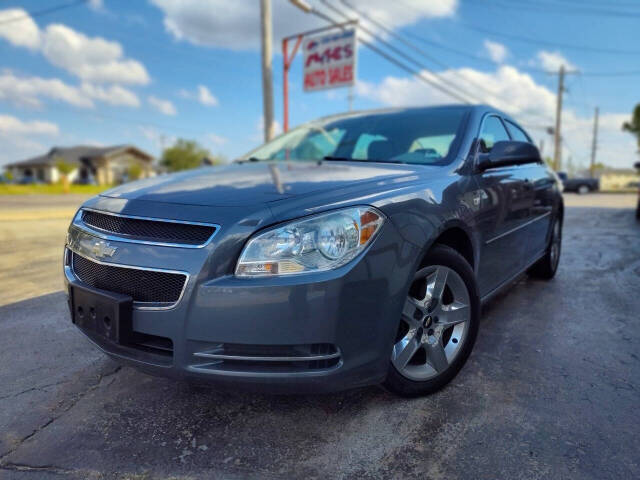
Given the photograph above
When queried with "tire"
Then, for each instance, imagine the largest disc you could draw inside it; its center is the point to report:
(546, 267)
(583, 189)
(638, 211)
(448, 326)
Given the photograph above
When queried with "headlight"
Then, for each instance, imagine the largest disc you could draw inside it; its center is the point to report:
(315, 244)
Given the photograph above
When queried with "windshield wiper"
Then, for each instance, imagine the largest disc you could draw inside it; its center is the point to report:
(250, 159)
(348, 159)
(343, 159)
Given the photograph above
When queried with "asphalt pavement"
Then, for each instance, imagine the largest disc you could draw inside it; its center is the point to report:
(552, 389)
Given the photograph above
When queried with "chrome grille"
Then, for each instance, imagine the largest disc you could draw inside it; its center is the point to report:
(148, 286)
(158, 231)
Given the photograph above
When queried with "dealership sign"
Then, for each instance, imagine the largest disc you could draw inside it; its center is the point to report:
(329, 61)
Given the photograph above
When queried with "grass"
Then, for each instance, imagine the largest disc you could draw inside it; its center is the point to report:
(54, 189)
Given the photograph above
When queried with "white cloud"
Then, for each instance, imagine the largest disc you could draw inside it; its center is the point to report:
(496, 51)
(16, 148)
(97, 5)
(258, 136)
(113, 95)
(14, 126)
(519, 95)
(615, 147)
(91, 58)
(202, 95)
(163, 106)
(205, 97)
(158, 139)
(23, 33)
(235, 25)
(28, 91)
(507, 88)
(552, 61)
(20, 138)
(216, 140)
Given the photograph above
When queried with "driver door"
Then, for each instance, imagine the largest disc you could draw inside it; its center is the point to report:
(505, 208)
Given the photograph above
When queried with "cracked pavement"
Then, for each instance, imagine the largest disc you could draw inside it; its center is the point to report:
(551, 390)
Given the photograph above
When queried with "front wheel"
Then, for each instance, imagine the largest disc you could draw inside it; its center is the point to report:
(583, 189)
(438, 327)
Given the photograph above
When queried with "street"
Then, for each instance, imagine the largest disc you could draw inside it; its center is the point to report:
(551, 390)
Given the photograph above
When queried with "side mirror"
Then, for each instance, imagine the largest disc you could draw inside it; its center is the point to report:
(637, 165)
(508, 153)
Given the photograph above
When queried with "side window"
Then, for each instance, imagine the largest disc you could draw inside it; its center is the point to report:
(517, 133)
(493, 131)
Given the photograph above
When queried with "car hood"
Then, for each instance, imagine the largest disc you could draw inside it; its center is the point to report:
(259, 182)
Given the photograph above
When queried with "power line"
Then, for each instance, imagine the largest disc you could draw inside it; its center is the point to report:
(40, 13)
(554, 8)
(411, 45)
(530, 40)
(523, 39)
(406, 57)
(628, 73)
(390, 58)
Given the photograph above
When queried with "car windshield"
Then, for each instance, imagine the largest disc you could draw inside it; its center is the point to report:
(410, 136)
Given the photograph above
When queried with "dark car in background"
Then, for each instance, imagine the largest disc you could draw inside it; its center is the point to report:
(350, 251)
(579, 185)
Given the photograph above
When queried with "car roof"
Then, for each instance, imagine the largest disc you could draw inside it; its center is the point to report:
(478, 109)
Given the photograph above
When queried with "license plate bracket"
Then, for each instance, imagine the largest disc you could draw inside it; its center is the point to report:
(106, 314)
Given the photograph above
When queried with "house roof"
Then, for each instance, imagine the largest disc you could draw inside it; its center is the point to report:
(77, 155)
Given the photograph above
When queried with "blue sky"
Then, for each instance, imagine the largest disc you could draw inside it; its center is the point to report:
(146, 72)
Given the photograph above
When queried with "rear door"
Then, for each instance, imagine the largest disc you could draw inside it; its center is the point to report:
(505, 208)
(540, 186)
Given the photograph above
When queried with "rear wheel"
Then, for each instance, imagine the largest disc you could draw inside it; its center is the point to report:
(546, 267)
(438, 326)
(583, 189)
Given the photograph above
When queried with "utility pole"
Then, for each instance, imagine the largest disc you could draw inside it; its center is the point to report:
(594, 144)
(267, 70)
(557, 153)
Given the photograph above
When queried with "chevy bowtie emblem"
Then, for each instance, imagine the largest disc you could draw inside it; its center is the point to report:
(101, 249)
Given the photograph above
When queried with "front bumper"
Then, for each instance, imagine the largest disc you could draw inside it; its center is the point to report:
(327, 331)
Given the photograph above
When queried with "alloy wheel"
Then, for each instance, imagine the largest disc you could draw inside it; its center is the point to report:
(434, 325)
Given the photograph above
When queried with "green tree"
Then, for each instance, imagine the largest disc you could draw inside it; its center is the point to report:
(134, 172)
(633, 126)
(183, 155)
(65, 168)
(549, 162)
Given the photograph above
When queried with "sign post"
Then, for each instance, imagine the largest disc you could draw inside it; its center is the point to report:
(329, 60)
(285, 80)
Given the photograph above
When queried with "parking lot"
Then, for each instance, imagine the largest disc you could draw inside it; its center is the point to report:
(552, 389)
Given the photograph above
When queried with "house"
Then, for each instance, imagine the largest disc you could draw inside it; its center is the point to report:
(613, 178)
(101, 165)
(618, 179)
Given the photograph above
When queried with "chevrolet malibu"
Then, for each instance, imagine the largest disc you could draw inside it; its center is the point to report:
(353, 250)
